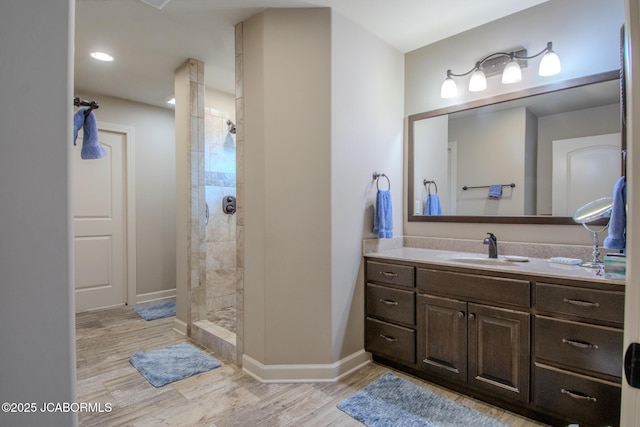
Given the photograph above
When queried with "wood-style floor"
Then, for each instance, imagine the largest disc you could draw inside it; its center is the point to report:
(222, 397)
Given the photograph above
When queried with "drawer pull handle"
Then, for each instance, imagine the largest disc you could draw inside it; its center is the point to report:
(388, 302)
(580, 303)
(578, 396)
(390, 274)
(390, 339)
(580, 344)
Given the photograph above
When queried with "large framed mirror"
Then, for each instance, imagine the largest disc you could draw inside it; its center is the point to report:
(529, 157)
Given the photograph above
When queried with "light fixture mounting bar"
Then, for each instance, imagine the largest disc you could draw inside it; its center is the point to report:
(495, 66)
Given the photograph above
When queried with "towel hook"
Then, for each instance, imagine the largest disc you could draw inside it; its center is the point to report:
(376, 177)
(425, 182)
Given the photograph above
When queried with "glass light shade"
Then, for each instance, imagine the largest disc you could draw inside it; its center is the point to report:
(549, 64)
(478, 81)
(449, 88)
(512, 72)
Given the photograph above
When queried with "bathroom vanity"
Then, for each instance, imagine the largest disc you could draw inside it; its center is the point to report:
(540, 339)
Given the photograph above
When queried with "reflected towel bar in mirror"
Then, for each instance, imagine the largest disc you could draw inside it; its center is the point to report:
(512, 185)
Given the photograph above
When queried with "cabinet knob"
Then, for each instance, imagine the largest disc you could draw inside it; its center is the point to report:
(461, 314)
(472, 316)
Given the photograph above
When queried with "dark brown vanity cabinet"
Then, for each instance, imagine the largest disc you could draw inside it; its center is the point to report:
(390, 311)
(482, 345)
(578, 353)
(550, 349)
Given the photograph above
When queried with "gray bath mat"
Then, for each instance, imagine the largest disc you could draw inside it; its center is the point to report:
(391, 401)
(173, 363)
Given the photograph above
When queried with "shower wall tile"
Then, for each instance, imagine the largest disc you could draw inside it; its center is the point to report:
(221, 255)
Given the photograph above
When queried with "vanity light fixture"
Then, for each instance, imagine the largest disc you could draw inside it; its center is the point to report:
(510, 64)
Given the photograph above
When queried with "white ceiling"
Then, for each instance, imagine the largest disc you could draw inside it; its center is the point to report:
(149, 44)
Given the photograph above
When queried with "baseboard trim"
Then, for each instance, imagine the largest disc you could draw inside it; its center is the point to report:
(179, 326)
(155, 296)
(305, 373)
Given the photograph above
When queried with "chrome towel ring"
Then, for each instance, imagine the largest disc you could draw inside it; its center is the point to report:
(376, 178)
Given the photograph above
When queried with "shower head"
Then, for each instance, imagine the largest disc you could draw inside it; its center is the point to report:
(232, 126)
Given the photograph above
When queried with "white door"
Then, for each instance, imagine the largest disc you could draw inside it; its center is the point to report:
(584, 169)
(99, 224)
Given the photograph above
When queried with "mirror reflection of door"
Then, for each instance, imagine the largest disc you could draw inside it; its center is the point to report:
(584, 169)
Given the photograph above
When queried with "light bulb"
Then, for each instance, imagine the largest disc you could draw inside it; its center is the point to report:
(512, 72)
(549, 64)
(449, 88)
(478, 81)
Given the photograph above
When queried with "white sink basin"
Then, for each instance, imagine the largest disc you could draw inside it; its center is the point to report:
(482, 261)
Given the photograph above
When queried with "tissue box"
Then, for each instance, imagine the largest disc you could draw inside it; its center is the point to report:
(615, 266)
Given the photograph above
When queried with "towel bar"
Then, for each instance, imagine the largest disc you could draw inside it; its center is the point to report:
(512, 185)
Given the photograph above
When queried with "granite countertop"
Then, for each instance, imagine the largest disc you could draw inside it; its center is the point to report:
(535, 266)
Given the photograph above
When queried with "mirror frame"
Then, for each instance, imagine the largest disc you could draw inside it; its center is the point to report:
(538, 90)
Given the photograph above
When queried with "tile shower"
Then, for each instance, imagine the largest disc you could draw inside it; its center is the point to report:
(220, 181)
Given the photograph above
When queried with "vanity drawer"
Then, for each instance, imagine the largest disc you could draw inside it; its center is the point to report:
(471, 287)
(577, 398)
(590, 303)
(390, 273)
(391, 341)
(394, 305)
(578, 345)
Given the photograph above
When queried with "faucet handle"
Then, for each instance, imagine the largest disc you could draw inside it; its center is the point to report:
(492, 237)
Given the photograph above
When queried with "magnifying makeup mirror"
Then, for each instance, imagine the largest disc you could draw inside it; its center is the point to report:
(593, 211)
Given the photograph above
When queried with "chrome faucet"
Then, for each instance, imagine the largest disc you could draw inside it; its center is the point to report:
(492, 241)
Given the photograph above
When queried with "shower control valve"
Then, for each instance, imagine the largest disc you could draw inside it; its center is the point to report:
(229, 205)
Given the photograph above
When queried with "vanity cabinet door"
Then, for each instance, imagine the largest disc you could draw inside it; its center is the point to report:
(499, 351)
(442, 337)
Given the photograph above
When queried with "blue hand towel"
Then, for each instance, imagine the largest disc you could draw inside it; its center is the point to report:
(91, 148)
(618, 222)
(495, 191)
(383, 220)
(432, 207)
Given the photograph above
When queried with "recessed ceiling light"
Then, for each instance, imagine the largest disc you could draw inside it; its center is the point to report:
(101, 56)
(171, 101)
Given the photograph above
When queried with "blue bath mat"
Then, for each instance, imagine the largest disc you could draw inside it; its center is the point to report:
(157, 310)
(391, 401)
(173, 363)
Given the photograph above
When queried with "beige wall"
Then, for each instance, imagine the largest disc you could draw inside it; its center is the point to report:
(315, 132)
(37, 359)
(155, 187)
(585, 34)
(287, 115)
(366, 136)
